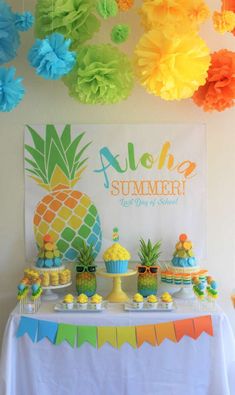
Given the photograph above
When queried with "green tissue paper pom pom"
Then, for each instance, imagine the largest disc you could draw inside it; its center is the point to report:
(102, 75)
(74, 19)
(107, 8)
(120, 33)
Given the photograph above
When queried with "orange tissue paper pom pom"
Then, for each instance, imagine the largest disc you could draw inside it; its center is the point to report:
(219, 91)
(124, 5)
(172, 68)
(224, 21)
(229, 5)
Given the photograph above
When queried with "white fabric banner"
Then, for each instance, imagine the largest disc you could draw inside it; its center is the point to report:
(149, 180)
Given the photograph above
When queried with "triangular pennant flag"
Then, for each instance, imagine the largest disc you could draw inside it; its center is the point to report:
(203, 324)
(165, 330)
(47, 329)
(87, 334)
(29, 326)
(184, 328)
(126, 334)
(107, 334)
(66, 332)
(145, 333)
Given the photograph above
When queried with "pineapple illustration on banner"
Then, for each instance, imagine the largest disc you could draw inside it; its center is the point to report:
(56, 164)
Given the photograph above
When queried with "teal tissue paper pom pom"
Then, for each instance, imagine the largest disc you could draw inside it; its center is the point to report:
(120, 33)
(11, 90)
(102, 75)
(24, 22)
(51, 57)
(107, 8)
(9, 36)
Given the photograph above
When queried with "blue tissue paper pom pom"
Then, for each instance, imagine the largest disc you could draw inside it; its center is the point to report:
(24, 22)
(11, 90)
(51, 57)
(9, 36)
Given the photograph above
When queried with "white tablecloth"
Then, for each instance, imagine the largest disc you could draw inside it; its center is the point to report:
(205, 366)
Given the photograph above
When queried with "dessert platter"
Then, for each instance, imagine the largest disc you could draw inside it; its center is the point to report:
(152, 303)
(81, 304)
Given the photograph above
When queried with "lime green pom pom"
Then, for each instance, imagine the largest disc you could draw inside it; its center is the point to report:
(107, 8)
(120, 33)
(74, 19)
(102, 74)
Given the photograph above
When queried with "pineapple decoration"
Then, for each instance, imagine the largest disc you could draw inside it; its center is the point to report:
(147, 271)
(67, 215)
(85, 277)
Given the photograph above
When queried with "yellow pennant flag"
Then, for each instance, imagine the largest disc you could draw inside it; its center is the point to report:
(106, 334)
(165, 330)
(126, 334)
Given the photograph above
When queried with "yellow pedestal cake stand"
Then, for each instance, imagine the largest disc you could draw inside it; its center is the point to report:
(117, 295)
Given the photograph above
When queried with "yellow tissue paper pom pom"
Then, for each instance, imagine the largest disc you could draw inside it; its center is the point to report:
(224, 21)
(173, 16)
(171, 68)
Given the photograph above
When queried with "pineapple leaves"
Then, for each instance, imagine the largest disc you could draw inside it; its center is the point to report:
(86, 255)
(149, 253)
(56, 159)
(66, 137)
(38, 140)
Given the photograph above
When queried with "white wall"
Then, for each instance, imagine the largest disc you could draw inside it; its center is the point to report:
(49, 102)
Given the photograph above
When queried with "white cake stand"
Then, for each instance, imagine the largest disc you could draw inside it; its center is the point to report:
(48, 293)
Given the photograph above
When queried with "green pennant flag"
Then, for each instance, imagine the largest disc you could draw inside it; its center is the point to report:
(87, 334)
(66, 332)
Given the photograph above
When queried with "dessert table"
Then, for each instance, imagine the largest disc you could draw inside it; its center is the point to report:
(204, 366)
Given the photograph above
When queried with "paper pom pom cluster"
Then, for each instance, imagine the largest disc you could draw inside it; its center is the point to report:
(171, 60)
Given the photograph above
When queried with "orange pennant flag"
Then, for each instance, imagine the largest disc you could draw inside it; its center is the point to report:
(203, 324)
(145, 333)
(184, 328)
(165, 330)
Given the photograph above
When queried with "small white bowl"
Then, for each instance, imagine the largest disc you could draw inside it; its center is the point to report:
(138, 305)
(69, 305)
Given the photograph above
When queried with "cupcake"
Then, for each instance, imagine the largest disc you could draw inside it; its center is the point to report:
(138, 301)
(68, 301)
(82, 301)
(166, 301)
(152, 301)
(116, 259)
(96, 302)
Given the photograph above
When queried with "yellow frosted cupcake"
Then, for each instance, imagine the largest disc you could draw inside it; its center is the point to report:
(68, 301)
(82, 301)
(138, 301)
(96, 302)
(116, 259)
(166, 301)
(152, 301)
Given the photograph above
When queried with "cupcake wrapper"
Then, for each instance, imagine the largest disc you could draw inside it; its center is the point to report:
(116, 266)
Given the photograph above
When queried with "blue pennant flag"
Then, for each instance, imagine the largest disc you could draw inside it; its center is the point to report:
(47, 329)
(29, 326)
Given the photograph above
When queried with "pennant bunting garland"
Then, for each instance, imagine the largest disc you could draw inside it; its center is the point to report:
(97, 336)
(47, 329)
(29, 326)
(87, 334)
(66, 332)
(165, 330)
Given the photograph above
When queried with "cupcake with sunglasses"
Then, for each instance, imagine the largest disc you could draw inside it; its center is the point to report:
(116, 257)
